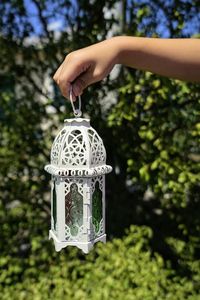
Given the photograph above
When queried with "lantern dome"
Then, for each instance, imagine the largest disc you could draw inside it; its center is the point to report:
(78, 150)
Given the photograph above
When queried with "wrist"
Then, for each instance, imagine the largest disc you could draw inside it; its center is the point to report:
(117, 47)
(124, 48)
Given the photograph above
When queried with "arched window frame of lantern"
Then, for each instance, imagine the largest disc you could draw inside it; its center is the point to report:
(78, 168)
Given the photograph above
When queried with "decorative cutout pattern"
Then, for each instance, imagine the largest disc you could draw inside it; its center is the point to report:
(56, 147)
(78, 148)
(74, 150)
(69, 237)
(79, 183)
(78, 172)
(100, 181)
(98, 153)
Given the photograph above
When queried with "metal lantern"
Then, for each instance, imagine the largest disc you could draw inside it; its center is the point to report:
(78, 168)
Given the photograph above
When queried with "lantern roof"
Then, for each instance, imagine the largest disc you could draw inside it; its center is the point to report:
(78, 150)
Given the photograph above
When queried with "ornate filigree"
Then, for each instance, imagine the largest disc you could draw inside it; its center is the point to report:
(98, 179)
(98, 153)
(74, 149)
(57, 145)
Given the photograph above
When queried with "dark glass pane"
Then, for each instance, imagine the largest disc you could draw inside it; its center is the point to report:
(54, 206)
(97, 207)
(74, 209)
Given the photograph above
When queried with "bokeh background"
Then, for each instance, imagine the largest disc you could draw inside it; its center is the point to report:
(151, 129)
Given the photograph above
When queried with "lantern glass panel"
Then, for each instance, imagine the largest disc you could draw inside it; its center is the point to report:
(54, 206)
(74, 210)
(97, 212)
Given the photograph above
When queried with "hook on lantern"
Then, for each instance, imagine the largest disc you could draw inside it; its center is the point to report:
(77, 112)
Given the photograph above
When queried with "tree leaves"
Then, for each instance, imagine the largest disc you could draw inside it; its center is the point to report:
(152, 139)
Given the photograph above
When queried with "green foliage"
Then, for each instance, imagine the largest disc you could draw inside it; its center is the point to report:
(152, 140)
(123, 269)
(162, 118)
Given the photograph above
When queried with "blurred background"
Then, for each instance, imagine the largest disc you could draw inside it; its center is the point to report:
(151, 129)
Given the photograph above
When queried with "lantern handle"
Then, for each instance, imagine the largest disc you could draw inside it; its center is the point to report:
(77, 112)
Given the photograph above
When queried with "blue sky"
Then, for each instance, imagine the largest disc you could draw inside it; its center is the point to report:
(57, 22)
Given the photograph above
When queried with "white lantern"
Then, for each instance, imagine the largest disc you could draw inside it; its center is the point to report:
(78, 168)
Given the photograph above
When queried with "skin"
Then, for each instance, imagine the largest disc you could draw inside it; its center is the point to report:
(175, 58)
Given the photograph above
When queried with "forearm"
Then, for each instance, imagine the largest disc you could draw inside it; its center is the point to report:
(176, 58)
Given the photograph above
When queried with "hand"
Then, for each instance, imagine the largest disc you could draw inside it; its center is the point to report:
(85, 66)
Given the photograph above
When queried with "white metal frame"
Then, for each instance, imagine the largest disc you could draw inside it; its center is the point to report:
(78, 156)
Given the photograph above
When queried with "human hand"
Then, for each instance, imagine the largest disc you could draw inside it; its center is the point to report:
(86, 66)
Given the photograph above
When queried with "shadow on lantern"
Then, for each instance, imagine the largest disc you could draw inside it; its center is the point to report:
(78, 168)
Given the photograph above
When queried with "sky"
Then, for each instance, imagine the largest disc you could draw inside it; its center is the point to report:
(55, 24)
(57, 21)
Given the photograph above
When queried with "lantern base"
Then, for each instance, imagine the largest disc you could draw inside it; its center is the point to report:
(84, 246)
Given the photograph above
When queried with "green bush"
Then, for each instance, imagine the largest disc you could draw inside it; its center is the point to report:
(124, 269)
(152, 139)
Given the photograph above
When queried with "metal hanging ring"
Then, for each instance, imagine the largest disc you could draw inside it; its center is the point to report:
(77, 112)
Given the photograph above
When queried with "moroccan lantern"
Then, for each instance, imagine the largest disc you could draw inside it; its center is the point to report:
(78, 168)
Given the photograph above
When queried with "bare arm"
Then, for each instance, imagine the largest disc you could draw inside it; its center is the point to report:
(176, 58)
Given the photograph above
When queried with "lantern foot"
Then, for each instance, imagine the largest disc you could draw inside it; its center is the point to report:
(84, 246)
(58, 245)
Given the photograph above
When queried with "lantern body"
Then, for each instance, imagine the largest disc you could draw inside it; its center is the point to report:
(78, 168)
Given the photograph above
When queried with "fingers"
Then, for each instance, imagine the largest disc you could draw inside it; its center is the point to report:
(68, 74)
(57, 74)
(84, 67)
(71, 94)
(81, 83)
